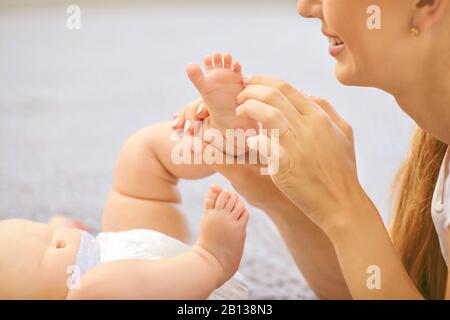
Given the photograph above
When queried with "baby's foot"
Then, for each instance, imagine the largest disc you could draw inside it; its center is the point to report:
(219, 88)
(223, 229)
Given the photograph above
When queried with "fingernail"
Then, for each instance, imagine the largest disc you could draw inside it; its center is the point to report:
(187, 126)
(176, 115)
(200, 108)
(238, 110)
(176, 121)
(247, 80)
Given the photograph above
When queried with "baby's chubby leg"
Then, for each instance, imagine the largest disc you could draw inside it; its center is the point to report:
(193, 275)
(223, 228)
(144, 193)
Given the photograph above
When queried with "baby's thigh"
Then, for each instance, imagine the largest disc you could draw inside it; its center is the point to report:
(123, 213)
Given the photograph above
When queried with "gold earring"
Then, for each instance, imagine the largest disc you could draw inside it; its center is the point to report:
(415, 32)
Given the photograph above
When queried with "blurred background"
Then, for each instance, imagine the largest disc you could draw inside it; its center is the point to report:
(69, 98)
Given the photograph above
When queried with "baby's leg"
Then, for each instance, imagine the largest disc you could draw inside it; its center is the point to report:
(144, 193)
(193, 275)
(223, 228)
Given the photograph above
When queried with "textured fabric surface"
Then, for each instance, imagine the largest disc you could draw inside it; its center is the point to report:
(69, 99)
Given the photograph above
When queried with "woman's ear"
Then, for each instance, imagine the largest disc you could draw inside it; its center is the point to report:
(427, 13)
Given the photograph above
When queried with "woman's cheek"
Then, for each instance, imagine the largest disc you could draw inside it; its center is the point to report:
(350, 20)
(345, 17)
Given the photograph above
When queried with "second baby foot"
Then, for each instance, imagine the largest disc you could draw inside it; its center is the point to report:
(219, 87)
(223, 229)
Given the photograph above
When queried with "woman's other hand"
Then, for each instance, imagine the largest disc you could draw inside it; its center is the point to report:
(317, 167)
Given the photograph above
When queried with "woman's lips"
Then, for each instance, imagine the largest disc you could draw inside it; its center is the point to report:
(336, 45)
(336, 50)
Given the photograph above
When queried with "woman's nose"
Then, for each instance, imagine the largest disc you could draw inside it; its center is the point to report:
(310, 8)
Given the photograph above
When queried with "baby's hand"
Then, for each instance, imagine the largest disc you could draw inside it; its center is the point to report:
(223, 229)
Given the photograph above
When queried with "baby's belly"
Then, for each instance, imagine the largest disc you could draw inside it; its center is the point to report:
(58, 262)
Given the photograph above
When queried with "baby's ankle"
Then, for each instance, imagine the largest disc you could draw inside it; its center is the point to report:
(233, 141)
(212, 261)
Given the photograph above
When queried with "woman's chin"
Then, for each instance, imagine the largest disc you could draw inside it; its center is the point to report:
(343, 75)
(346, 75)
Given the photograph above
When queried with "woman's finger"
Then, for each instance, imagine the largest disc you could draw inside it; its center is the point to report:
(202, 112)
(336, 117)
(268, 116)
(298, 99)
(180, 119)
(274, 151)
(192, 122)
(270, 96)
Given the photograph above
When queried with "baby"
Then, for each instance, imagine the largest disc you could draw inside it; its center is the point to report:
(141, 253)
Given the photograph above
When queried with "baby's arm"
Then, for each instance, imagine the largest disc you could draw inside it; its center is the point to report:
(144, 184)
(191, 276)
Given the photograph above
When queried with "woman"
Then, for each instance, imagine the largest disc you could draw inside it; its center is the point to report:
(330, 225)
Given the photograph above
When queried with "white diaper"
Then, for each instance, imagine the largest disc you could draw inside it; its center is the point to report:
(144, 245)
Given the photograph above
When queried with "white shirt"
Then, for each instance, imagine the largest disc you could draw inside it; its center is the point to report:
(440, 210)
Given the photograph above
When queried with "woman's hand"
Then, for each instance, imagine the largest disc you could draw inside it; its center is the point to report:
(318, 261)
(257, 189)
(190, 115)
(317, 167)
(318, 173)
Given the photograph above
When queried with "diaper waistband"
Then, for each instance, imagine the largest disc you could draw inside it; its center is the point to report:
(87, 257)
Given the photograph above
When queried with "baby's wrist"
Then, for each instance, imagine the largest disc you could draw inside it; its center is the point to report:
(212, 262)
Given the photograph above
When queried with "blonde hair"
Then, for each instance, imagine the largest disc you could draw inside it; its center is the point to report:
(412, 230)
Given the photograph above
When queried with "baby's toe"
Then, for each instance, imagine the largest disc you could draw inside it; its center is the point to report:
(245, 216)
(211, 197)
(238, 210)
(231, 202)
(196, 75)
(237, 67)
(227, 61)
(218, 61)
(222, 199)
(208, 62)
